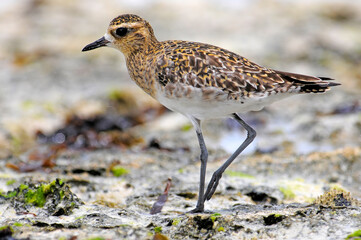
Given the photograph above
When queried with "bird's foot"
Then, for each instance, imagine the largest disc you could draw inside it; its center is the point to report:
(212, 186)
(196, 210)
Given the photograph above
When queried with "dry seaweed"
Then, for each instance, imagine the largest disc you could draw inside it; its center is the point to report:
(158, 205)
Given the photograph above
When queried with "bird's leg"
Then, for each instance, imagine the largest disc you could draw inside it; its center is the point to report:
(213, 183)
(203, 158)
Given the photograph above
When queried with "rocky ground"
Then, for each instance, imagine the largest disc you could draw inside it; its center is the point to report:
(84, 154)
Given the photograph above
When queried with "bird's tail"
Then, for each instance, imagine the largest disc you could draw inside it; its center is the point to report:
(307, 83)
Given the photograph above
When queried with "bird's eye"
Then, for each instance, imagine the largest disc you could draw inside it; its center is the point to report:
(121, 31)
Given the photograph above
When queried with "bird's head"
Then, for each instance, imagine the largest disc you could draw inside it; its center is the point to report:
(128, 33)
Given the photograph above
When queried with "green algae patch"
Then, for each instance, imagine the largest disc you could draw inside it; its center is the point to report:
(158, 229)
(214, 216)
(54, 197)
(119, 171)
(220, 229)
(37, 197)
(287, 193)
(6, 232)
(239, 174)
(17, 224)
(116, 95)
(355, 235)
(23, 187)
(9, 194)
(186, 127)
(10, 182)
(6, 227)
(176, 221)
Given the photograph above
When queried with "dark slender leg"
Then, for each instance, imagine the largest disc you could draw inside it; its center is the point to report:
(203, 158)
(213, 183)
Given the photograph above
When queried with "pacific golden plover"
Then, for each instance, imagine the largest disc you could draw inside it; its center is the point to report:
(201, 81)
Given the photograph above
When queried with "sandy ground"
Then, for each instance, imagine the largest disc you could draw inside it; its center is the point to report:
(306, 145)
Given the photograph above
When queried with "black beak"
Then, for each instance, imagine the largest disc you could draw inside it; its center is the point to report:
(101, 42)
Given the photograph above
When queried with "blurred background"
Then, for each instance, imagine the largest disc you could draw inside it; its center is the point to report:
(44, 74)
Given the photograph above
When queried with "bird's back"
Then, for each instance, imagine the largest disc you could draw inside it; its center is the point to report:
(202, 65)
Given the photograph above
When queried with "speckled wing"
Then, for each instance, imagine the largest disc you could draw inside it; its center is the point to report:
(202, 66)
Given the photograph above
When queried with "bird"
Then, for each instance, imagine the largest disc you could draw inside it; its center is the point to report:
(201, 81)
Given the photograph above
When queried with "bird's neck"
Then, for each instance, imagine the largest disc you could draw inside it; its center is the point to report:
(137, 64)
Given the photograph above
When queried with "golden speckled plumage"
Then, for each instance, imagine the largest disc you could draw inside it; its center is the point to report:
(157, 66)
(125, 18)
(205, 66)
(201, 81)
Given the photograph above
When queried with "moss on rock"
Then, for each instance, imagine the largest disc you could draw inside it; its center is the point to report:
(54, 197)
(336, 198)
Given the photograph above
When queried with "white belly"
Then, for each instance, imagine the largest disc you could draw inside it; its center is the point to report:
(194, 104)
